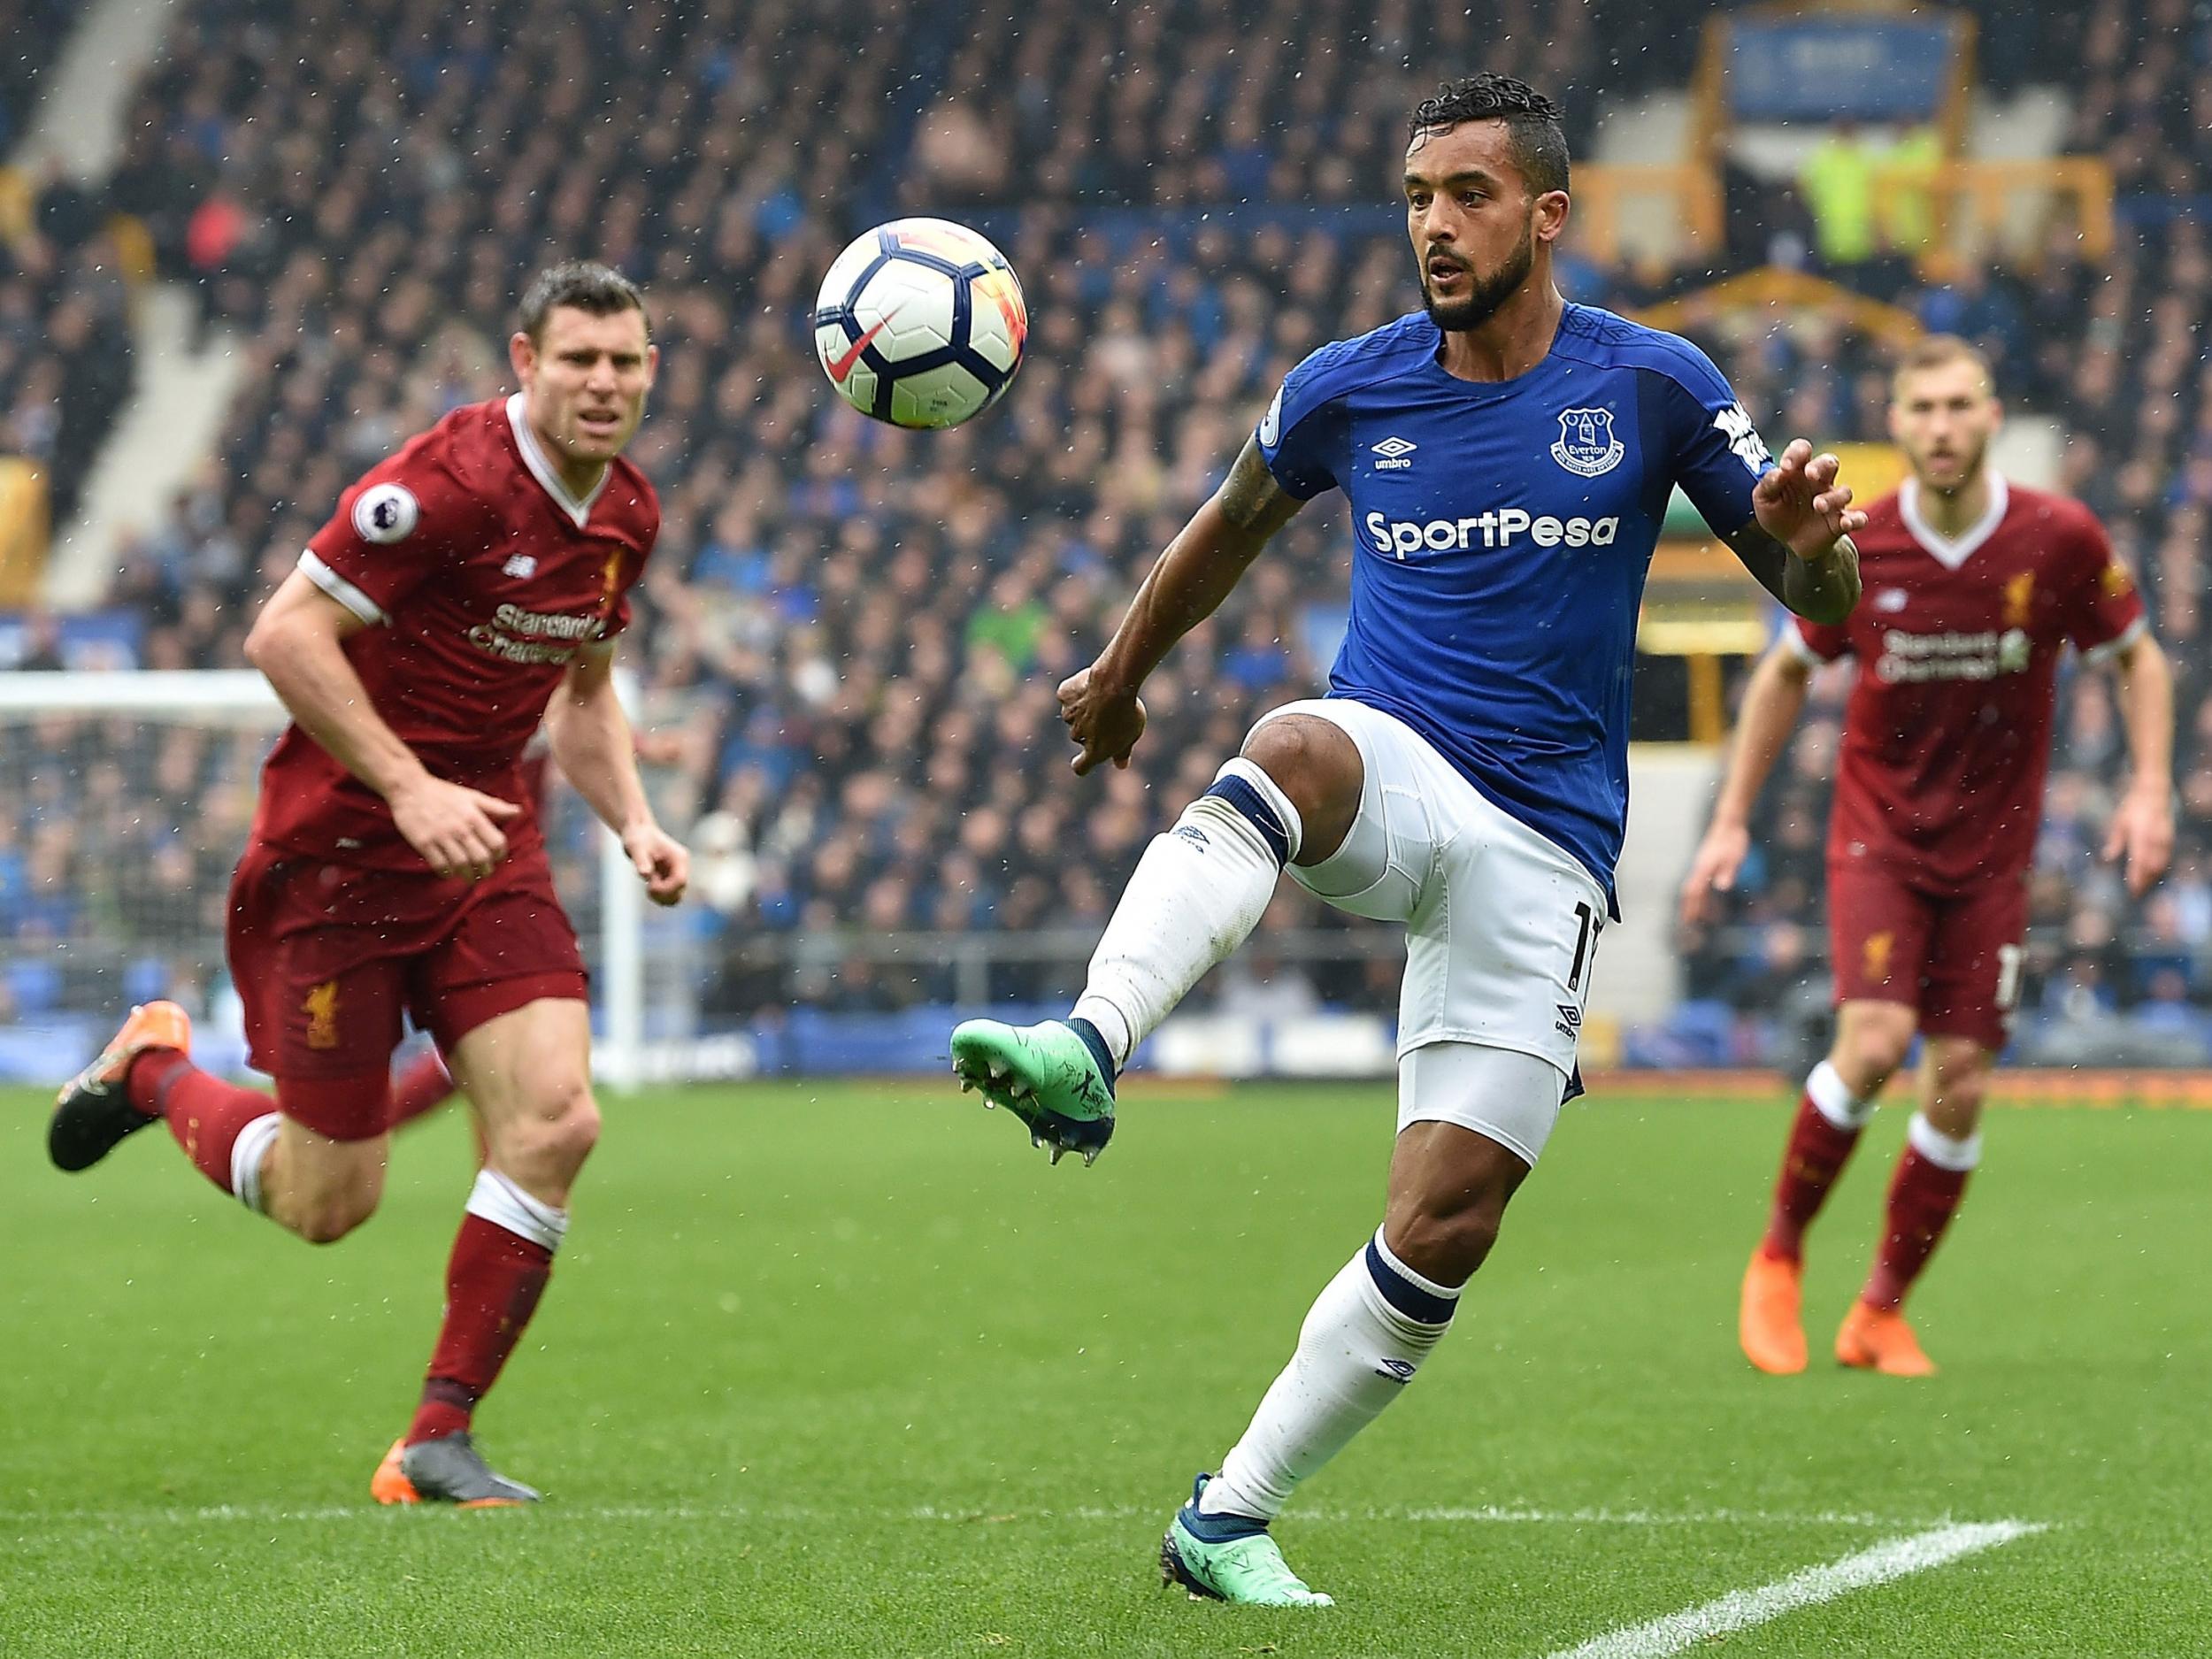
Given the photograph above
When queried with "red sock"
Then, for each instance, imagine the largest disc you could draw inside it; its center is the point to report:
(492, 1285)
(1815, 1156)
(422, 1086)
(1923, 1197)
(203, 1112)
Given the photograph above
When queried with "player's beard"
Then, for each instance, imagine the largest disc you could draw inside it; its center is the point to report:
(1485, 294)
(1970, 469)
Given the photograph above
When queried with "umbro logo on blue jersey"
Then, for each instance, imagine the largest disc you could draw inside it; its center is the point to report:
(1397, 455)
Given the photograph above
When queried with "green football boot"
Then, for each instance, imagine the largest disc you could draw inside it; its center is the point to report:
(1230, 1558)
(1057, 1078)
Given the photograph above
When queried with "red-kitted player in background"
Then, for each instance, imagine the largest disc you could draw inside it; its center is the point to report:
(1973, 589)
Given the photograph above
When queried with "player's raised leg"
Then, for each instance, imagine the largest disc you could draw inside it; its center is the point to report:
(261, 1151)
(1195, 896)
(1872, 1039)
(320, 1186)
(1941, 1150)
(528, 1073)
(1383, 1314)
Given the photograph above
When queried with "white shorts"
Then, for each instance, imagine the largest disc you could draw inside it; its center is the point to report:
(1502, 924)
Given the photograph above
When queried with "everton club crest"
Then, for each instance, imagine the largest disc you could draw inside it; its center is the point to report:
(1587, 445)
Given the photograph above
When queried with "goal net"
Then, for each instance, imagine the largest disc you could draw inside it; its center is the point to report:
(126, 798)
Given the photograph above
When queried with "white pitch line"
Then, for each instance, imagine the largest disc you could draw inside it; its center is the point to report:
(804, 1515)
(1740, 1609)
(1603, 1516)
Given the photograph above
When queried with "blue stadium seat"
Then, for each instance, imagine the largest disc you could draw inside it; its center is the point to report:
(34, 984)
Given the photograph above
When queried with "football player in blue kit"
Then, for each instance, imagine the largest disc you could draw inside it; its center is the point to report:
(1509, 458)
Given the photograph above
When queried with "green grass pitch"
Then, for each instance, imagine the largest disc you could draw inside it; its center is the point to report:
(848, 1370)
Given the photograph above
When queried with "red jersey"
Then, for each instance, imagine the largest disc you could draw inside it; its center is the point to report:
(482, 578)
(1947, 734)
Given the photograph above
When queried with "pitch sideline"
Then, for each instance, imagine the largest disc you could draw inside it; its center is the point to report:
(1741, 1610)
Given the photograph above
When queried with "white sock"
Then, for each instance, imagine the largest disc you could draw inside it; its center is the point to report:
(1959, 1154)
(1366, 1335)
(1196, 894)
(1833, 1099)
(247, 1153)
(502, 1204)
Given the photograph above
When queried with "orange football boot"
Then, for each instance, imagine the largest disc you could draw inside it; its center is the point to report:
(450, 1469)
(93, 1113)
(1873, 1339)
(1768, 1324)
(389, 1484)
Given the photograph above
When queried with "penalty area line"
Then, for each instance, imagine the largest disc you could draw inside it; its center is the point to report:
(1741, 1610)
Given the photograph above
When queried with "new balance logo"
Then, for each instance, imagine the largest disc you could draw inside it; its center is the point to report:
(1570, 1024)
(1397, 455)
(521, 567)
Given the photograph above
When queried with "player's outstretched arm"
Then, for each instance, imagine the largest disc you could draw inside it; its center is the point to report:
(592, 743)
(2142, 829)
(1772, 703)
(1798, 544)
(298, 640)
(1197, 572)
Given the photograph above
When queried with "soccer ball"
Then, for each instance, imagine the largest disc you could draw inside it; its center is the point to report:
(920, 322)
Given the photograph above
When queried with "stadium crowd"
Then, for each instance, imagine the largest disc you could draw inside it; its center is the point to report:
(853, 634)
(64, 341)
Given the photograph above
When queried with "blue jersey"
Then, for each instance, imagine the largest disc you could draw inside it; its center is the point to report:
(1501, 535)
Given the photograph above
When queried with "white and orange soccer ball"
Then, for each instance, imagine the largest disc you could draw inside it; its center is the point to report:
(920, 322)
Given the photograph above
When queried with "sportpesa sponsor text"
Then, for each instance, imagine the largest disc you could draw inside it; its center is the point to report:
(1497, 528)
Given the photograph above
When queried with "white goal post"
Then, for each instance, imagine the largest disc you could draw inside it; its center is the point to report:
(50, 723)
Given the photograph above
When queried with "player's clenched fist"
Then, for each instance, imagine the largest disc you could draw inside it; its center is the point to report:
(1104, 724)
(454, 827)
(1719, 856)
(661, 861)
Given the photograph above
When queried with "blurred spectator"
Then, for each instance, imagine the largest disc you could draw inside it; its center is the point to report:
(1839, 181)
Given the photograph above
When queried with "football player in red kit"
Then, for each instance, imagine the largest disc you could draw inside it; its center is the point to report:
(465, 590)
(1973, 589)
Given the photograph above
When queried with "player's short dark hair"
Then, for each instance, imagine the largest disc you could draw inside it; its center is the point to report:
(585, 284)
(1532, 124)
